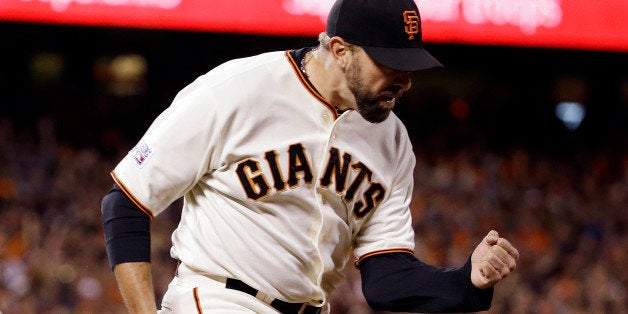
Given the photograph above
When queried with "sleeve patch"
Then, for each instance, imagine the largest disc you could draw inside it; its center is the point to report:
(140, 153)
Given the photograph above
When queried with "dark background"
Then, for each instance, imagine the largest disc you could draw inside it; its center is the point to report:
(510, 91)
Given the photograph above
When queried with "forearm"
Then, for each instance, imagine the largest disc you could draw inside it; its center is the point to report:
(127, 235)
(136, 286)
(400, 282)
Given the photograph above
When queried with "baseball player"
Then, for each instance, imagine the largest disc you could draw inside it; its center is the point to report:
(288, 162)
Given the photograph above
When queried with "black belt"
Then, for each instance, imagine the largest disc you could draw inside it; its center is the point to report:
(281, 306)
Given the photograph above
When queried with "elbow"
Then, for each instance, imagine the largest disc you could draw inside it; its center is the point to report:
(378, 298)
(371, 299)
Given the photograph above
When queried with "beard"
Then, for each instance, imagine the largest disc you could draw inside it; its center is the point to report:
(373, 107)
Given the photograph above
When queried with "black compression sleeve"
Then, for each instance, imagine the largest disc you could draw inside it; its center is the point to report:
(400, 282)
(127, 229)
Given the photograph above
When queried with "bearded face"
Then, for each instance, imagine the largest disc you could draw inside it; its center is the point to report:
(374, 105)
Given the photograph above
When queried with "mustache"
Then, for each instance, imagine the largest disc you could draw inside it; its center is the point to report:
(392, 93)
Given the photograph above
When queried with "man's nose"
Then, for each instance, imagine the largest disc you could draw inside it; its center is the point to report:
(403, 80)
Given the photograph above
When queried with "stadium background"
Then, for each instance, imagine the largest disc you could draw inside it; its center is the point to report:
(491, 153)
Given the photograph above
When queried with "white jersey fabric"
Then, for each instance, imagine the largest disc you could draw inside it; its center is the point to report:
(279, 188)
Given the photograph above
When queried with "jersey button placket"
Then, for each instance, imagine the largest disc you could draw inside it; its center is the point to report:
(328, 126)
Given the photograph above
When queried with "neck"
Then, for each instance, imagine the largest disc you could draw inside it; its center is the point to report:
(327, 77)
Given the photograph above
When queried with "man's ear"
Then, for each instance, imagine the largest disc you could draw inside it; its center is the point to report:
(340, 50)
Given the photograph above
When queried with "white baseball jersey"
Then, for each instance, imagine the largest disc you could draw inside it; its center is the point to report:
(278, 187)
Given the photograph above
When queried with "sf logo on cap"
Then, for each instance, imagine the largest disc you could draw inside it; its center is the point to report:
(411, 18)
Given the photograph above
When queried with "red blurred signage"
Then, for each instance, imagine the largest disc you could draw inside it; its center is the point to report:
(578, 24)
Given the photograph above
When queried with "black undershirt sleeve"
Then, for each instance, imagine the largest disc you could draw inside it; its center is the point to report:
(127, 229)
(400, 282)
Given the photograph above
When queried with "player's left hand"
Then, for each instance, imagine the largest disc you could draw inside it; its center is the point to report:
(492, 260)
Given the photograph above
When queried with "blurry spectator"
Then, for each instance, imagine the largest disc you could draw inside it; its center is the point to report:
(568, 216)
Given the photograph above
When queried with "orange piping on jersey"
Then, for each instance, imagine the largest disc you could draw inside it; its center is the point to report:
(398, 250)
(198, 301)
(297, 70)
(132, 197)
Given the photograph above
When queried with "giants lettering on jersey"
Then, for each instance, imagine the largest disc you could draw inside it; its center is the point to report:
(336, 172)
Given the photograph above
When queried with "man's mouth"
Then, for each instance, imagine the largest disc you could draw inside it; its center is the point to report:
(389, 101)
(389, 98)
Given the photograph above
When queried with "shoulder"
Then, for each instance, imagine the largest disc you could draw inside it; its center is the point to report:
(248, 68)
(237, 78)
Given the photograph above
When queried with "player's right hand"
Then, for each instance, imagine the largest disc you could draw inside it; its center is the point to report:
(492, 260)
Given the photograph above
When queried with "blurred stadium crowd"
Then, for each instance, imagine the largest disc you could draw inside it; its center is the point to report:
(565, 210)
(567, 216)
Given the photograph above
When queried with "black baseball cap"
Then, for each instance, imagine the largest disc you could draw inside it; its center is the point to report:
(388, 30)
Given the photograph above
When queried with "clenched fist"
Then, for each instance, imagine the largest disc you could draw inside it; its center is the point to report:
(492, 260)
